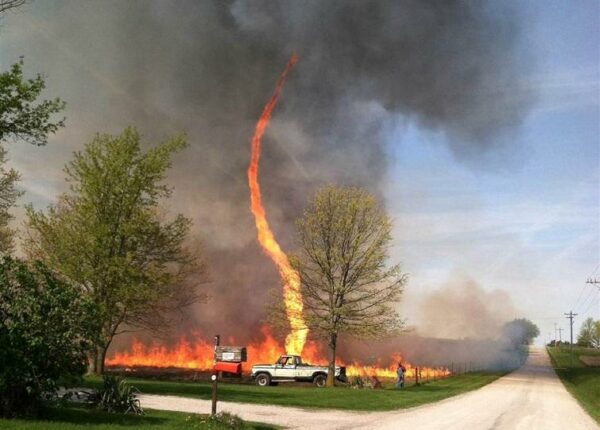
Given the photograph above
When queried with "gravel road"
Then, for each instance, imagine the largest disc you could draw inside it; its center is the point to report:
(530, 398)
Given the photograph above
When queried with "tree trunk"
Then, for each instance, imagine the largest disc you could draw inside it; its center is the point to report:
(92, 361)
(331, 370)
(96, 364)
(101, 358)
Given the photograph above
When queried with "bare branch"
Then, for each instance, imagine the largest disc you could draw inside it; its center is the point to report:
(6, 5)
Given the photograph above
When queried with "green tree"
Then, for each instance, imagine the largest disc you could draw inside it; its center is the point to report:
(589, 334)
(8, 197)
(22, 117)
(46, 332)
(107, 234)
(520, 331)
(344, 239)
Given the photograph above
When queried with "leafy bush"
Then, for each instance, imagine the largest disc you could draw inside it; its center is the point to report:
(220, 421)
(46, 328)
(118, 396)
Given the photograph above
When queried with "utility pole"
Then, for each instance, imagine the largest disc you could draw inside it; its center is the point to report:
(560, 334)
(555, 336)
(570, 317)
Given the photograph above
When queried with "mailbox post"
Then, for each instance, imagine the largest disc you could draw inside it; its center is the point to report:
(227, 359)
(214, 378)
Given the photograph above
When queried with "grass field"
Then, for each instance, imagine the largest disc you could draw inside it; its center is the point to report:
(79, 418)
(309, 397)
(581, 381)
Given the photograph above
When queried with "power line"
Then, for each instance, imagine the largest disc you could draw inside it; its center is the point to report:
(593, 281)
(589, 306)
(579, 295)
(590, 280)
(589, 296)
(581, 290)
(595, 270)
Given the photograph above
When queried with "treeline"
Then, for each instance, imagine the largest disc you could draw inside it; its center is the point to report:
(589, 334)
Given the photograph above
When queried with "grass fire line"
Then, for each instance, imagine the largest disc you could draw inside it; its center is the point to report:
(199, 355)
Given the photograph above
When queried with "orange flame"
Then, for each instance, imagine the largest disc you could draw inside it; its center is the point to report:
(199, 355)
(292, 296)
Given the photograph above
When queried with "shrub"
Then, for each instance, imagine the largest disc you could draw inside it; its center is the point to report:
(118, 396)
(220, 421)
(360, 382)
(46, 328)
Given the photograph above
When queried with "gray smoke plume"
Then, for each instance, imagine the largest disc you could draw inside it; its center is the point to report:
(462, 309)
(460, 323)
(207, 68)
(455, 354)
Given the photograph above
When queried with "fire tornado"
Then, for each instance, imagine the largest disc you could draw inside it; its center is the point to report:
(294, 342)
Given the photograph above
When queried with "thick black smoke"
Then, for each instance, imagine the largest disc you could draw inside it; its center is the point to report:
(362, 64)
(207, 68)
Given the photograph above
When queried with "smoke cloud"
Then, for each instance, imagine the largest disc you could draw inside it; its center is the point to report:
(461, 326)
(462, 309)
(207, 68)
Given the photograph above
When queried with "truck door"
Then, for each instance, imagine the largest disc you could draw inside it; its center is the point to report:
(302, 371)
(285, 368)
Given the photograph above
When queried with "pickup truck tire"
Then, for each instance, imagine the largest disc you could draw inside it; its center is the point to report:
(320, 379)
(263, 379)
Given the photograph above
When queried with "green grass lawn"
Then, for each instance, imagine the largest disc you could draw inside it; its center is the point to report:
(581, 381)
(311, 397)
(79, 418)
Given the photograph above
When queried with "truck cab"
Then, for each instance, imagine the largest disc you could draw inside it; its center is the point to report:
(286, 366)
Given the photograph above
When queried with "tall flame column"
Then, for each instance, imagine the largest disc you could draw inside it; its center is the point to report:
(292, 295)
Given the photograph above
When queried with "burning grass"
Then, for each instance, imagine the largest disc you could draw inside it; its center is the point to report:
(197, 354)
(342, 398)
(583, 382)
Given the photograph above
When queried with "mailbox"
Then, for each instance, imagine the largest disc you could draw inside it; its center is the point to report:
(232, 354)
(223, 366)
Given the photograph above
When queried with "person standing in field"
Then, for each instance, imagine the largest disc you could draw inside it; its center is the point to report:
(400, 372)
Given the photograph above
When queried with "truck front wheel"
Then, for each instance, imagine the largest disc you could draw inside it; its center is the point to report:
(320, 380)
(263, 379)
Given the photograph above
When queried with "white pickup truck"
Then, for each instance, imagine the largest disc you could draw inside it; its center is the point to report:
(290, 368)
